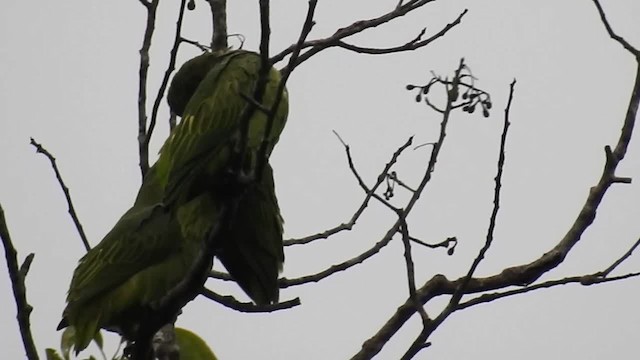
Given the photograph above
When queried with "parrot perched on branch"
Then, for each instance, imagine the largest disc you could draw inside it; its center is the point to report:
(179, 206)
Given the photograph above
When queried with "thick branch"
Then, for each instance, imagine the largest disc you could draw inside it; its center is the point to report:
(219, 22)
(526, 273)
(143, 148)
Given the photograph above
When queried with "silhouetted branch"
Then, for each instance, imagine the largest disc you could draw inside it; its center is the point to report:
(361, 182)
(65, 190)
(612, 34)
(315, 46)
(143, 149)
(585, 280)
(349, 225)
(17, 274)
(414, 44)
(195, 43)
(624, 257)
(455, 299)
(396, 227)
(280, 92)
(526, 273)
(248, 307)
(165, 79)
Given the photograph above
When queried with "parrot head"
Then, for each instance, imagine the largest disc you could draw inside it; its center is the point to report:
(186, 80)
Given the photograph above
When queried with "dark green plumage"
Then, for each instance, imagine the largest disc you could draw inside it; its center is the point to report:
(151, 248)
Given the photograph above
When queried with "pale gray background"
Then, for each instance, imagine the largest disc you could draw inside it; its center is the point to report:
(68, 77)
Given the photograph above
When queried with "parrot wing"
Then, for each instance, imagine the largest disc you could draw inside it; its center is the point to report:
(210, 127)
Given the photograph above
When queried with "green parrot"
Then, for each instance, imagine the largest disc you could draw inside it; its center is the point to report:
(151, 249)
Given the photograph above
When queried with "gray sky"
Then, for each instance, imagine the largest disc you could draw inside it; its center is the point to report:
(69, 79)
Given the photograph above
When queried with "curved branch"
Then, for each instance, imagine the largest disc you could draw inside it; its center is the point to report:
(521, 274)
(396, 227)
(414, 44)
(316, 46)
(248, 307)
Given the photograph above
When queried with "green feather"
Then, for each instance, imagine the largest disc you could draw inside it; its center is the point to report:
(151, 248)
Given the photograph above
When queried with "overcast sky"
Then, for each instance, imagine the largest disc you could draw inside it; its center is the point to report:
(68, 78)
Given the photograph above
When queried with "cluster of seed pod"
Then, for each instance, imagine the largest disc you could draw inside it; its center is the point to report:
(423, 89)
(472, 97)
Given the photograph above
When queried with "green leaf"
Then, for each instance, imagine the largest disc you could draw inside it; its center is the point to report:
(52, 354)
(192, 347)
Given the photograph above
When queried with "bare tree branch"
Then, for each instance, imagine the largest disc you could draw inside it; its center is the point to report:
(414, 44)
(396, 227)
(585, 280)
(17, 275)
(351, 223)
(143, 148)
(219, 23)
(365, 188)
(526, 273)
(455, 299)
(195, 43)
(335, 40)
(167, 74)
(280, 92)
(248, 307)
(624, 257)
(612, 34)
(41, 150)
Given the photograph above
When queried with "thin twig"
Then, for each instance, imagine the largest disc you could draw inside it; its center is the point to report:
(319, 45)
(72, 211)
(247, 307)
(19, 289)
(167, 74)
(410, 267)
(414, 44)
(525, 273)
(281, 89)
(496, 200)
(395, 228)
(361, 182)
(585, 280)
(624, 257)
(452, 90)
(351, 223)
